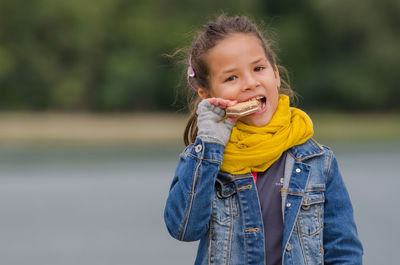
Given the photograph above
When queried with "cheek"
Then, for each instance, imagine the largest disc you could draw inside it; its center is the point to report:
(273, 98)
(276, 99)
(274, 106)
(224, 92)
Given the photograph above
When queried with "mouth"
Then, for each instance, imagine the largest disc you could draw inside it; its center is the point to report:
(261, 101)
(254, 105)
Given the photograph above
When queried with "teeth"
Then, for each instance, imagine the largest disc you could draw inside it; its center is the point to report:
(257, 98)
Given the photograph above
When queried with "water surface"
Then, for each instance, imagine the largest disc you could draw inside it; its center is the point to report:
(104, 205)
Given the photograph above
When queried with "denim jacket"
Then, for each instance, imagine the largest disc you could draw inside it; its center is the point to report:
(223, 211)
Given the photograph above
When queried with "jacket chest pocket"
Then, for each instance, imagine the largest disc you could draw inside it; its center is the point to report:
(310, 219)
(225, 205)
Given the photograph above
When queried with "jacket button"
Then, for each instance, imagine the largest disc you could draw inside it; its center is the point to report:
(198, 148)
(288, 204)
(298, 170)
(288, 247)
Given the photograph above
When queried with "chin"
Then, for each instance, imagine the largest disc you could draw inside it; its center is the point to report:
(261, 123)
(259, 120)
(256, 122)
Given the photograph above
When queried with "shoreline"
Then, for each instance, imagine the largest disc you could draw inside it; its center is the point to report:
(58, 128)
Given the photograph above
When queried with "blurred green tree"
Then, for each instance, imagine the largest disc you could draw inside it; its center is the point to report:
(341, 54)
(107, 55)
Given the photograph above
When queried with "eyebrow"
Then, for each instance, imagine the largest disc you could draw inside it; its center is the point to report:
(257, 61)
(233, 69)
(230, 70)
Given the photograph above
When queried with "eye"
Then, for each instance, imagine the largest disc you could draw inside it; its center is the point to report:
(231, 78)
(259, 68)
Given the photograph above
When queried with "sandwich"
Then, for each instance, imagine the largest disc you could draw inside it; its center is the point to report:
(243, 108)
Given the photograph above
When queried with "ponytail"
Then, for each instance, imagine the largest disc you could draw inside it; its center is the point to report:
(190, 133)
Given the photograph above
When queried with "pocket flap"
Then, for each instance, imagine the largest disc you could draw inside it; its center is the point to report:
(313, 198)
(224, 190)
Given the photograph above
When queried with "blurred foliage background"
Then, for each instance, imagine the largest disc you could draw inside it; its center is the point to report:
(107, 55)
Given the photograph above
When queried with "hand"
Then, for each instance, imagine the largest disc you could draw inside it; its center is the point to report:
(223, 104)
(210, 123)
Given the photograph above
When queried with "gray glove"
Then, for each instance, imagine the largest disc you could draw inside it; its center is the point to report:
(211, 127)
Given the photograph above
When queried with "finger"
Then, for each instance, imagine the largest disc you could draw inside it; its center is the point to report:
(222, 103)
(232, 102)
(212, 101)
(232, 119)
(216, 102)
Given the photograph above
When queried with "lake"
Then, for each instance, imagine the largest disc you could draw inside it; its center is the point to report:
(83, 205)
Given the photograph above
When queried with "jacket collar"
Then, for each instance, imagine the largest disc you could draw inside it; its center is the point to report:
(307, 150)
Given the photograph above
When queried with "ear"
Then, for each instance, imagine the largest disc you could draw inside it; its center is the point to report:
(203, 93)
(277, 77)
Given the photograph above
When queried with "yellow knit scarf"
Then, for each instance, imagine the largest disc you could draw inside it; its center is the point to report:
(255, 149)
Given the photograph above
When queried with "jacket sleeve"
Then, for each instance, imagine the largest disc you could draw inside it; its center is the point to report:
(189, 204)
(341, 242)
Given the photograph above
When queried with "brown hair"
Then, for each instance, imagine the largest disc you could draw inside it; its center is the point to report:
(206, 39)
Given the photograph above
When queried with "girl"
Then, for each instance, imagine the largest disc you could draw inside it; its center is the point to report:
(258, 189)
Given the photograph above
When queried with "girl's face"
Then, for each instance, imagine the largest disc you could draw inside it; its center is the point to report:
(239, 70)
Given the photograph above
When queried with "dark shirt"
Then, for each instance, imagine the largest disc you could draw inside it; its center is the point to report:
(269, 184)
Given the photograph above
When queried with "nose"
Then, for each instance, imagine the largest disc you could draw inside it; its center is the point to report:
(250, 82)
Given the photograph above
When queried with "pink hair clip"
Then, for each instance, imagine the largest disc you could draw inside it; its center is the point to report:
(190, 73)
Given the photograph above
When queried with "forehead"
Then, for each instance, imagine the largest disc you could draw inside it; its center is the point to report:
(237, 49)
